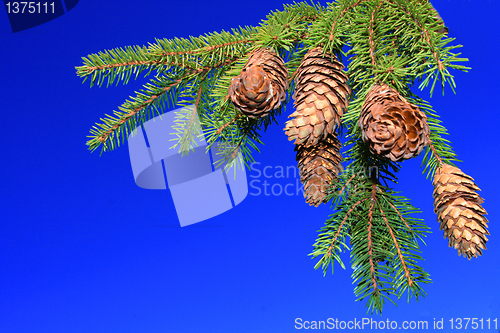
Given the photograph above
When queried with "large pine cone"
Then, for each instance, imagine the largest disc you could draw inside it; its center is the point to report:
(393, 127)
(319, 166)
(321, 97)
(459, 211)
(261, 85)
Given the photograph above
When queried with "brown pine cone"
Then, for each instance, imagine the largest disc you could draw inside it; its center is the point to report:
(321, 97)
(273, 65)
(393, 127)
(319, 166)
(459, 211)
(261, 85)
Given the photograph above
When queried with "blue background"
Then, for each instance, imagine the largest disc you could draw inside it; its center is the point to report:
(83, 249)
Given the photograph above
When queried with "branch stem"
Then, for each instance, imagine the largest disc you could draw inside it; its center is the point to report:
(400, 255)
(434, 152)
(370, 245)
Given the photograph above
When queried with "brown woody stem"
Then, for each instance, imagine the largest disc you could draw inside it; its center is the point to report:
(235, 152)
(347, 183)
(397, 212)
(400, 255)
(370, 245)
(330, 248)
(434, 152)
(371, 34)
(198, 97)
(220, 129)
(208, 48)
(426, 35)
(103, 137)
(292, 77)
(90, 69)
(342, 14)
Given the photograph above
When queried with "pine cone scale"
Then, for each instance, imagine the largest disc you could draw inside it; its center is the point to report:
(459, 211)
(321, 96)
(261, 85)
(392, 127)
(319, 165)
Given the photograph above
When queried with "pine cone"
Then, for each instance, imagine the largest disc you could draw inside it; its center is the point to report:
(318, 166)
(273, 65)
(261, 85)
(321, 97)
(459, 211)
(393, 127)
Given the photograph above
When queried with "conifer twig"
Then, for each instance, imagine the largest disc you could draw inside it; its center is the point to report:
(400, 255)
(434, 152)
(203, 49)
(425, 32)
(220, 129)
(397, 212)
(330, 248)
(390, 41)
(342, 13)
(105, 134)
(87, 70)
(370, 245)
(347, 184)
(371, 36)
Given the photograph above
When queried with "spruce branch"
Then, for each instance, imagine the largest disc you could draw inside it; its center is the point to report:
(375, 291)
(339, 193)
(161, 93)
(159, 51)
(342, 10)
(331, 240)
(220, 129)
(187, 125)
(399, 43)
(381, 229)
(430, 41)
(283, 30)
(396, 244)
(371, 37)
(384, 237)
(114, 130)
(187, 129)
(367, 251)
(204, 51)
(439, 149)
(116, 65)
(399, 215)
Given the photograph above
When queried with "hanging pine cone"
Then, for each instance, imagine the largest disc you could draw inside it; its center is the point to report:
(261, 85)
(393, 127)
(321, 97)
(459, 211)
(318, 166)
